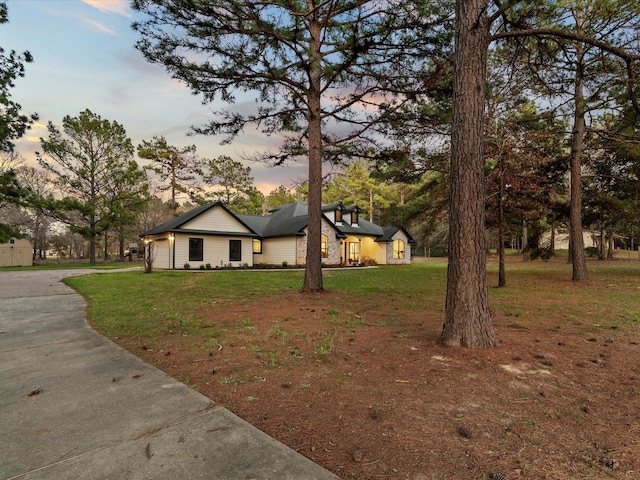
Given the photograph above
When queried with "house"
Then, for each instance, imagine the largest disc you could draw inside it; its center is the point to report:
(17, 252)
(590, 239)
(213, 235)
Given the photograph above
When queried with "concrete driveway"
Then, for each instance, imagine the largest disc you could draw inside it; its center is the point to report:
(73, 405)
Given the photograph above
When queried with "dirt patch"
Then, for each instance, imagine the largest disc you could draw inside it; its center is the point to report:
(359, 385)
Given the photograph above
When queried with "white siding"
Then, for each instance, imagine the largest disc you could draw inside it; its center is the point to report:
(215, 219)
(278, 250)
(215, 251)
(160, 254)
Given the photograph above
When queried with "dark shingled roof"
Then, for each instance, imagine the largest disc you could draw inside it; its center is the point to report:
(292, 219)
(389, 232)
(256, 223)
(286, 220)
(364, 227)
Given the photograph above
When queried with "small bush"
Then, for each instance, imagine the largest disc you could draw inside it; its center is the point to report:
(591, 251)
(201, 267)
(545, 253)
(285, 264)
(187, 266)
(208, 266)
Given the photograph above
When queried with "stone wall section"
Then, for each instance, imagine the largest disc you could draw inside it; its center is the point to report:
(334, 246)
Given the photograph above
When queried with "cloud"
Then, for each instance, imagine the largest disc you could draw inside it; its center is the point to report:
(110, 6)
(99, 26)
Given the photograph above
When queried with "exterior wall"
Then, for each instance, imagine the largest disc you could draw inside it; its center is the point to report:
(215, 251)
(369, 249)
(161, 254)
(399, 235)
(16, 254)
(373, 250)
(381, 254)
(275, 251)
(590, 239)
(334, 250)
(301, 249)
(216, 219)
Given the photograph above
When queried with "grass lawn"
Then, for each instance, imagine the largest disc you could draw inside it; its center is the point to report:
(354, 378)
(72, 265)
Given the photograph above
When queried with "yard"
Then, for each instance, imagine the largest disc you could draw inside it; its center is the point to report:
(354, 379)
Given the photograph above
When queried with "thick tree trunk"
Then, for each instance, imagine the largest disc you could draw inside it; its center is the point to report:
(313, 268)
(578, 258)
(467, 315)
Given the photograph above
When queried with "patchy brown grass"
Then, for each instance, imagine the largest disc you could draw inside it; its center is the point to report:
(357, 382)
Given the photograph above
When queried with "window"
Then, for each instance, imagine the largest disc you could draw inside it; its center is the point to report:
(398, 249)
(196, 249)
(257, 245)
(354, 252)
(235, 250)
(338, 215)
(354, 217)
(324, 246)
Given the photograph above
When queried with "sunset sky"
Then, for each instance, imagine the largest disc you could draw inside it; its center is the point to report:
(84, 58)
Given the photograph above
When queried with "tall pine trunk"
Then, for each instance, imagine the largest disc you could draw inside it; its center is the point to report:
(313, 267)
(578, 258)
(467, 315)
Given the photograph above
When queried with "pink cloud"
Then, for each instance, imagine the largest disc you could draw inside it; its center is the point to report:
(110, 6)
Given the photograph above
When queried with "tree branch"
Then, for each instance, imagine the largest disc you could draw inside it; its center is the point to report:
(551, 32)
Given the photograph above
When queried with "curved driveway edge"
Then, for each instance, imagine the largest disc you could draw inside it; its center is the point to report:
(75, 405)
